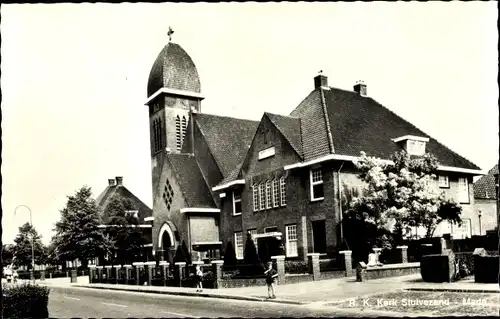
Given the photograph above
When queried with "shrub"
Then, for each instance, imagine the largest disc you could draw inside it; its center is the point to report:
(296, 267)
(465, 263)
(25, 301)
(230, 255)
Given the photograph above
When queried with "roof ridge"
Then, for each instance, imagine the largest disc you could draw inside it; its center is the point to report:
(224, 116)
(208, 145)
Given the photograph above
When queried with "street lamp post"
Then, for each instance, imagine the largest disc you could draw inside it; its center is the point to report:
(32, 242)
(479, 214)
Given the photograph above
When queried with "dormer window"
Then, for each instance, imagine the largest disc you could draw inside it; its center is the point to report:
(236, 202)
(413, 145)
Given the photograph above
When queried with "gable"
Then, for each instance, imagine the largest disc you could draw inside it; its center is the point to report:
(289, 127)
(269, 151)
(119, 190)
(485, 186)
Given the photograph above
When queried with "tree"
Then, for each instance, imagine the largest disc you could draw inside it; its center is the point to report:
(22, 249)
(123, 229)
(182, 254)
(7, 254)
(230, 255)
(78, 235)
(251, 258)
(402, 193)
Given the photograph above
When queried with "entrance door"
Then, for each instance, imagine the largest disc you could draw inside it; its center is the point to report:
(319, 236)
(165, 246)
(267, 247)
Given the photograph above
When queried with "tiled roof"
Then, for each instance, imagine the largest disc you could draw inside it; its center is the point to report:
(484, 187)
(362, 124)
(290, 128)
(191, 181)
(313, 126)
(174, 69)
(119, 190)
(228, 139)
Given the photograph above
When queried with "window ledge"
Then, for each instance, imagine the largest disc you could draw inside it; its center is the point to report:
(317, 199)
(292, 256)
(238, 214)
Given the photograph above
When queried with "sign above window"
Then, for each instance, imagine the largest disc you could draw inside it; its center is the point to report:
(268, 152)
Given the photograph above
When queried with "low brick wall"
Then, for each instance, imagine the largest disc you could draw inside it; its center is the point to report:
(241, 282)
(332, 274)
(296, 278)
(392, 270)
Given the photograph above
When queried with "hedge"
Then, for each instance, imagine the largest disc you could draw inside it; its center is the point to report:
(296, 267)
(25, 301)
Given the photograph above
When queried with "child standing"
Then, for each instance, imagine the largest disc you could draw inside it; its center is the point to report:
(271, 276)
(199, 279)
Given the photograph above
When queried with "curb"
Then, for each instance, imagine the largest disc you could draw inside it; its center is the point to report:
(197, 294)
(473, 290)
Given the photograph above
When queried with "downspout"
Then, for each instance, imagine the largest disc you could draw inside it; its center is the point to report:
(340, 202)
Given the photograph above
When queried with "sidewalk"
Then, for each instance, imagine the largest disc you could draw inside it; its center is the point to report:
(317, 292)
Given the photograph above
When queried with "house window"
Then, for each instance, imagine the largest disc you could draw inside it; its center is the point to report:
(463, 190)
(444, 182)
(291, 241)
(283, 191)
(238, 241)
(262, 196)
(316, 177)
(268, 195)
(255, 189)
(178, 138)
(237, 202)
(276, 193)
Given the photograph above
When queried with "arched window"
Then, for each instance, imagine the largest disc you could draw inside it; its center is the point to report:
(178, 132)
(160, 135)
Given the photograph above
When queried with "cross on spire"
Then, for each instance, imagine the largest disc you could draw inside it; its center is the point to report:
(169, 33)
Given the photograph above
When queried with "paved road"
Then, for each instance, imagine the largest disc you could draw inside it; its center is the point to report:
(70, 302)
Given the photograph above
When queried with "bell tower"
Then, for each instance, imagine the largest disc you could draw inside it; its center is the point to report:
(173, 94)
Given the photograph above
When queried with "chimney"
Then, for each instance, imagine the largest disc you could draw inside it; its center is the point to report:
(111, 182)
(320, 80)
(119, 180)
(360, 88)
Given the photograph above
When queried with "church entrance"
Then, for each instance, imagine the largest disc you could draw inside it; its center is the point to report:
(166, 243)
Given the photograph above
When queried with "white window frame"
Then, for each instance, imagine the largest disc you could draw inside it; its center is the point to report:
(288, 233)
(314, 183)
(262, 196)
(255, 197)
(444, 181)
(269, 195)
(234, 203)
(461, 193)
(237, 246)
(276, 193)
(283, 191)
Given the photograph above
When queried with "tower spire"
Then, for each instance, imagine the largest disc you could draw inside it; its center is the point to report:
(169, 33)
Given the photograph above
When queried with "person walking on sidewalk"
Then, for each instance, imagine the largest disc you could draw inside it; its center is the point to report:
(271, 276)
(199, 279)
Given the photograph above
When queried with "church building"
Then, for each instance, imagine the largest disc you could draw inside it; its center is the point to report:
(281, 179)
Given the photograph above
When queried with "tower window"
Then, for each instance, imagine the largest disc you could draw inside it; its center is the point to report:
(178, 136)
(157, 135)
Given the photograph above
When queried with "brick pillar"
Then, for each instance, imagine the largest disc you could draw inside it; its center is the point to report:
(404, 253)
(361, 272)
(50, 275)
(164, 266)
(151, 265)
(74, 275)
(128, 272)
(280, 267)
(180, 271)
(217, 270)
(108, 273)
(99, 273)
(314, 265)
(138, 266)
(91, 273)
(347, 261)
(442, 244)
(42, 274)
(377, 252)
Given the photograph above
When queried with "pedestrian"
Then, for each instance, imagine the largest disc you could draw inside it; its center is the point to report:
(271, 276)
(199, 279)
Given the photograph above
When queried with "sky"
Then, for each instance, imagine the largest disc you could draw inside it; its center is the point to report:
(74, 80)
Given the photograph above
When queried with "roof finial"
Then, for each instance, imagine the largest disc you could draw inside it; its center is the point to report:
(169, 33)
